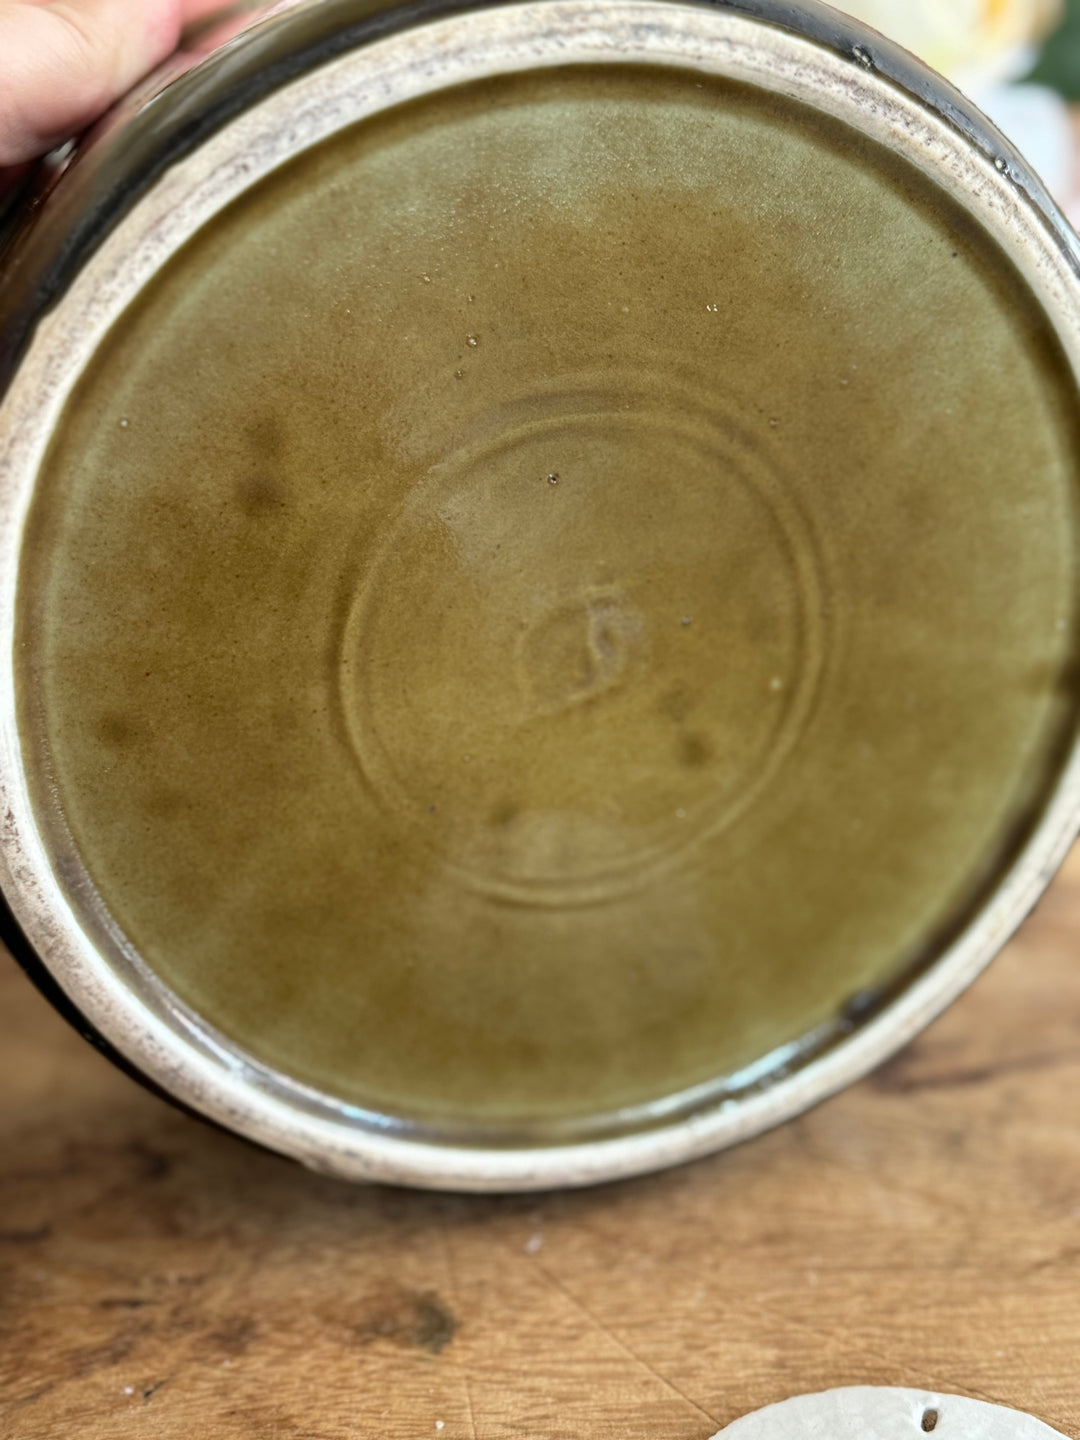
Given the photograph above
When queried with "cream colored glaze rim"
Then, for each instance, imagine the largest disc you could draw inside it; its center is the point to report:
(873, 1412)
(116, 992)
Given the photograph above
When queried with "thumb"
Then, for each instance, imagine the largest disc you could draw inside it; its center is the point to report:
(63, 63)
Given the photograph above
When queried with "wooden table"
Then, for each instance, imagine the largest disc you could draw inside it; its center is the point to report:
(161, 1280)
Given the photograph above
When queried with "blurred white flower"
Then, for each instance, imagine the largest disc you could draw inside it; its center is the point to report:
(991, 39)
(981, 45)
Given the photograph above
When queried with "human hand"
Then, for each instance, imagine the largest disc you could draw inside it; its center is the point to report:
(64, 62)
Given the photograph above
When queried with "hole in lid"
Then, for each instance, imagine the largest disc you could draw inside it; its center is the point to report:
(929, 1420)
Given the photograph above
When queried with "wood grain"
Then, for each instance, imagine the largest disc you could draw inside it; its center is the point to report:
(158, 1279)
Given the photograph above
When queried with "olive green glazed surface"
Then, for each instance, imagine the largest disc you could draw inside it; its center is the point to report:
(556, 593)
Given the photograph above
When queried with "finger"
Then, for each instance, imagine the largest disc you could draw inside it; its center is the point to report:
(63, 63)
(196, 9)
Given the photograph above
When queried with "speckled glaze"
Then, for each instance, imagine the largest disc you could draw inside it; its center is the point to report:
(481, 741)
(887, 1413)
